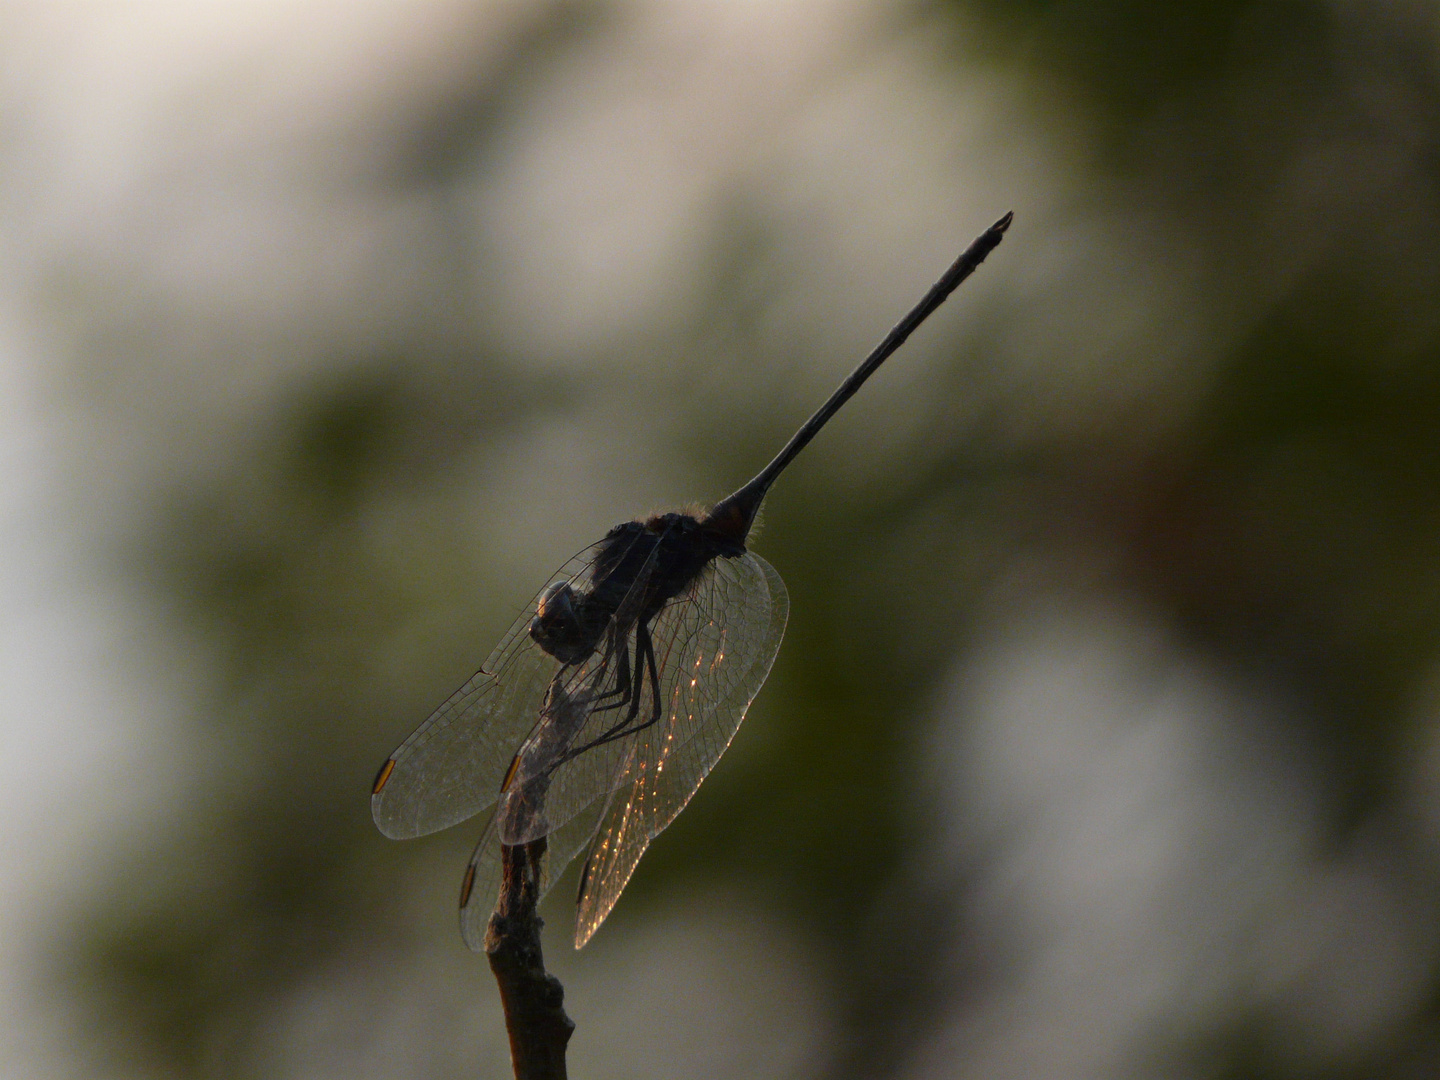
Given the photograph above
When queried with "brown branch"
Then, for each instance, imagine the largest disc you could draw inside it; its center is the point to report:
(534, 1000)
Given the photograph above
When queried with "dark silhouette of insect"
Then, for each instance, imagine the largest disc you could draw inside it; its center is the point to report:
(599, 714)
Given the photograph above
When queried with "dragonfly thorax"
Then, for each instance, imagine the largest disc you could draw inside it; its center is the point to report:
(641, 566)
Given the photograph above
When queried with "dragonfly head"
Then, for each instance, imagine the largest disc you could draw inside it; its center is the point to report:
(556, 627)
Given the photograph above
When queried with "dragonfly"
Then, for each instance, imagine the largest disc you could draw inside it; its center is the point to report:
(595, 720)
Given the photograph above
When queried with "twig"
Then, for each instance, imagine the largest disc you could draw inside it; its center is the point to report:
(534, 1000)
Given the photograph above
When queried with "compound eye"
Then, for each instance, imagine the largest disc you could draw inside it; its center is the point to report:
(557, 603)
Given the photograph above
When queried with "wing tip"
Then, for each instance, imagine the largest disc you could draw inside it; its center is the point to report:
(388, 828)
(382, 777)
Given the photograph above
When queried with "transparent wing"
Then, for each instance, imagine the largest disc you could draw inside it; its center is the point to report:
(714, 653)
(583, 702)
(451, 767)
(481, 885)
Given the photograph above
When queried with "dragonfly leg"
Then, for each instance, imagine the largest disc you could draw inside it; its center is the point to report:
(645, 647)
(624, 686)
(642, 643)
(644, 660)
(633, 690)
(642, 637)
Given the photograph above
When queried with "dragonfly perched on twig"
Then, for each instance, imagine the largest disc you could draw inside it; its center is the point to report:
(611, 698)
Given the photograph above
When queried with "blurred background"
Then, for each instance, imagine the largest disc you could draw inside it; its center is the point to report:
(1105, 737)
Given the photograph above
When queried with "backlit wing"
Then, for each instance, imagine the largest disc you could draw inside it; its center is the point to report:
(549, 786)
(481, 885)
(451, 767)
(714, 651)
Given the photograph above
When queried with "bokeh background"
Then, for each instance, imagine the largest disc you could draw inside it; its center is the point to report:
(1105, 737)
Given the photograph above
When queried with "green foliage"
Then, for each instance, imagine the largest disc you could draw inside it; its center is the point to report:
(344, 570)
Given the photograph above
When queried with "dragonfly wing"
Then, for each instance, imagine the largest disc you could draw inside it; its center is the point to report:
(481, 886)
(451, 767)
(714, 653)
(582, 703)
